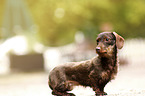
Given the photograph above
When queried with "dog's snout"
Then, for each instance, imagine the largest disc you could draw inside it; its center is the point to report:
(100, 50)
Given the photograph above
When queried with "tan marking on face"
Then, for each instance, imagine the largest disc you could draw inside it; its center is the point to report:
(110, 50)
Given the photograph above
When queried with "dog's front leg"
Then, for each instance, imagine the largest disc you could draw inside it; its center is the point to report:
(95, 78)
(94, 84)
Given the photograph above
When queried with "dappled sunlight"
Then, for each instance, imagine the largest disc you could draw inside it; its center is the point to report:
(59, 13)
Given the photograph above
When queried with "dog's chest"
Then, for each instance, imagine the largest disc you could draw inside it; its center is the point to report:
(105, 75)
(109, 73)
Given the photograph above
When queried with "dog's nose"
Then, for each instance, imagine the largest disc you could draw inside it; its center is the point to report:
(98, 49)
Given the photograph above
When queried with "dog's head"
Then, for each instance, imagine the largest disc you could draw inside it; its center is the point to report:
(106, 42)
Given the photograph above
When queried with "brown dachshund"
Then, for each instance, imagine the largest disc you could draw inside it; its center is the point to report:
(95, 73)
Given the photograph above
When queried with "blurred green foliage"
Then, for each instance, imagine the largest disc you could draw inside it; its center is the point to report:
(59, 20)
(2, 3)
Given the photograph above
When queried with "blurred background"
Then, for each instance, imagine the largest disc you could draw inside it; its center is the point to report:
(37, 35)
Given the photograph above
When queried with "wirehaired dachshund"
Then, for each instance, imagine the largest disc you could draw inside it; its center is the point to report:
(95, 73)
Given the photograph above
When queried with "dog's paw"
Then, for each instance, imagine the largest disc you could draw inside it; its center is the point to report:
(67, 94)
(62, 93)
(101, 94)
(70, 94)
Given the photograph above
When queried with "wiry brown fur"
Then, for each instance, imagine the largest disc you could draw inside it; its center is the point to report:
(95, 73)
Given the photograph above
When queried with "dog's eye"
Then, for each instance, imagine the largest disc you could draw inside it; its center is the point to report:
(107, 39)
(98, 40)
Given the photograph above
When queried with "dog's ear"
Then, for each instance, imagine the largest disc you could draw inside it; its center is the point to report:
(119, 40)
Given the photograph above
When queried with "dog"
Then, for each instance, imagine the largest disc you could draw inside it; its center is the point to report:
(95, 73)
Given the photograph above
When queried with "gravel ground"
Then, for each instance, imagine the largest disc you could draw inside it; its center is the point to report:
(129, 82)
